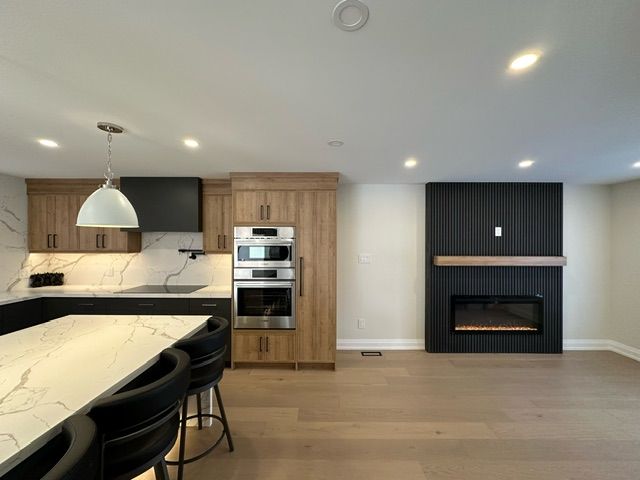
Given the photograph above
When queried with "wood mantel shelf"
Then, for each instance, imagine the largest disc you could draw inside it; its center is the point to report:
(502, 261)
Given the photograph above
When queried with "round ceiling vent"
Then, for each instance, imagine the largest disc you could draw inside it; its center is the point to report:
(350, 15)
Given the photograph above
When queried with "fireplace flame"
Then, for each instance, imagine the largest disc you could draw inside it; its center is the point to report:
(501, 328)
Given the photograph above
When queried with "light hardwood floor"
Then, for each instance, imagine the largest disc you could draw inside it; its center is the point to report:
(417, 416)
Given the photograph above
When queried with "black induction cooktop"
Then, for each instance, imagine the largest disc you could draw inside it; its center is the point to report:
(163, 289)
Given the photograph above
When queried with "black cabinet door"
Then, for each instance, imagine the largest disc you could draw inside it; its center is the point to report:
(148, 306)
(19, 315)
(57, 307)
(218, 307)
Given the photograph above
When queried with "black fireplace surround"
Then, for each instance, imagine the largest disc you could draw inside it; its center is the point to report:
(494, 309)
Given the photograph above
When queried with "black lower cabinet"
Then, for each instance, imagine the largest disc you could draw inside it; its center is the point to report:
(148, 306)
(219, 307)
(19, 315)
(55, 307)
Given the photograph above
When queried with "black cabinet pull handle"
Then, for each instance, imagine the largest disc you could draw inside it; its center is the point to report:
(268, 218)
(218, 242)
(86, 304)
(224, 245)
(49, 240)
(146, 304)
(103, 244)
(301, 274)
(261, 212)
(209, 304)
(260, 343)
(267, 344)
(55, 240)
(97, 241)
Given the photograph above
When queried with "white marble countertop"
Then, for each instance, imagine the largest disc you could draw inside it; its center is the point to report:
(107, 291)
(54, 370)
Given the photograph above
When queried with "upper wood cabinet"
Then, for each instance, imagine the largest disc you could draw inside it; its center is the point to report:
(217, 228)
(53, 209)
(50, 227)
(316, 302)
(271, 206)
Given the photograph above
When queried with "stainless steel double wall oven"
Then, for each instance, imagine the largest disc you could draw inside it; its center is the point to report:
(264, 263)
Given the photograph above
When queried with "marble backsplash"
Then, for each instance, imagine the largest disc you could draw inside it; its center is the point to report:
(13, 230)
(158, 263)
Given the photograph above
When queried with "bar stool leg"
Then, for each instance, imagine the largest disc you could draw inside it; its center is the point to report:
(161, 471)
(199, 399)
(183, 436)
(223, 415)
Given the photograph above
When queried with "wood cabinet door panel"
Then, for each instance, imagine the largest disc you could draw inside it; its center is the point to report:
(248, 346)
(248, 206)
(280, 347)
(280, 206)
(63, 229)
(38, 231)
(216, 223)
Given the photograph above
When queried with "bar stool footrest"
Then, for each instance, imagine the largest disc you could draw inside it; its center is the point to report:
(208, 450)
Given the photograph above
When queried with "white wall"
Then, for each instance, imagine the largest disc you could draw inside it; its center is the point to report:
(386, 222)
(13, 229)
(587, 274)
(625, 265)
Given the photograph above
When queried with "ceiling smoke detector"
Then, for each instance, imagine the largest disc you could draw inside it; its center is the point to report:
(350, 15)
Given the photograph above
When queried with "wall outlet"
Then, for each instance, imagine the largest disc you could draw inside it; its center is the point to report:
(498, 231)
(364, 258)
(361, 323)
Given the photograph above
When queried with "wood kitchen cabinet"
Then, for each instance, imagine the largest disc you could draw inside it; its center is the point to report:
(53, 208)
(259, 206)
(50, 227)
(217, 221)
(316, 302)
(267, 346)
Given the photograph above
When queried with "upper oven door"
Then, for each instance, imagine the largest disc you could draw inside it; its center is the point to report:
(264, 253)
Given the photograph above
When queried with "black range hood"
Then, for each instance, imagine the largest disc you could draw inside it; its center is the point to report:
(165, 204)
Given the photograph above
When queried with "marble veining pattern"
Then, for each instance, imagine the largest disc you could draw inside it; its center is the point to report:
(159, 263)
(53, 370)
(13, 230)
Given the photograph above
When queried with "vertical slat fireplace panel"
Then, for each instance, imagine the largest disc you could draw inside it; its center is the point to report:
(460, 220)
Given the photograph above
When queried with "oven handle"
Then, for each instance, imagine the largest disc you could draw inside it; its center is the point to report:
(264, 284)
(267, 242)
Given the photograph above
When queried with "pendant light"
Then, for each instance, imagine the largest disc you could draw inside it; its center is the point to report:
(108, 207)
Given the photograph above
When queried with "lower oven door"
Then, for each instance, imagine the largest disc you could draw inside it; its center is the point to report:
(264, 305)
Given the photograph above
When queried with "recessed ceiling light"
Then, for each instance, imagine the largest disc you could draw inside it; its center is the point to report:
(636, 165)
(191, 143)
(526, 163)
(524, 61)
(410, 162)
(335, 143)
(45, 142)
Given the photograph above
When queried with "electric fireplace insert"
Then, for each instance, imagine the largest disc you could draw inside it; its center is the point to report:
(497, 314)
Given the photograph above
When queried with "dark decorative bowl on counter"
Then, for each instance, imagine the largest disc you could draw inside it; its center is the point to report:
(46, 279)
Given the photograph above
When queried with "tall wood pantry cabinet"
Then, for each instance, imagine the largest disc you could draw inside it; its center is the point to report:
(307, 201)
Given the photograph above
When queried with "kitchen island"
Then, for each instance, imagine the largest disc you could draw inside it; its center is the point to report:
(59, 368)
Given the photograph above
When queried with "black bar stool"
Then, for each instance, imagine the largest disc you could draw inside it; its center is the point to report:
(139, 424)
(72, 455)
(207, 367)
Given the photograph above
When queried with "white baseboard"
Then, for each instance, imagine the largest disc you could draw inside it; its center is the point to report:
(610, 345)
(416, 344)
(380, 344)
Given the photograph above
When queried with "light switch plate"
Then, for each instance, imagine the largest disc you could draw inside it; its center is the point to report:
(364, 258)
(498, 231)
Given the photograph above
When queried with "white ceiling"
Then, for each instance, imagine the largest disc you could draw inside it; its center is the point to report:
(263, 85)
